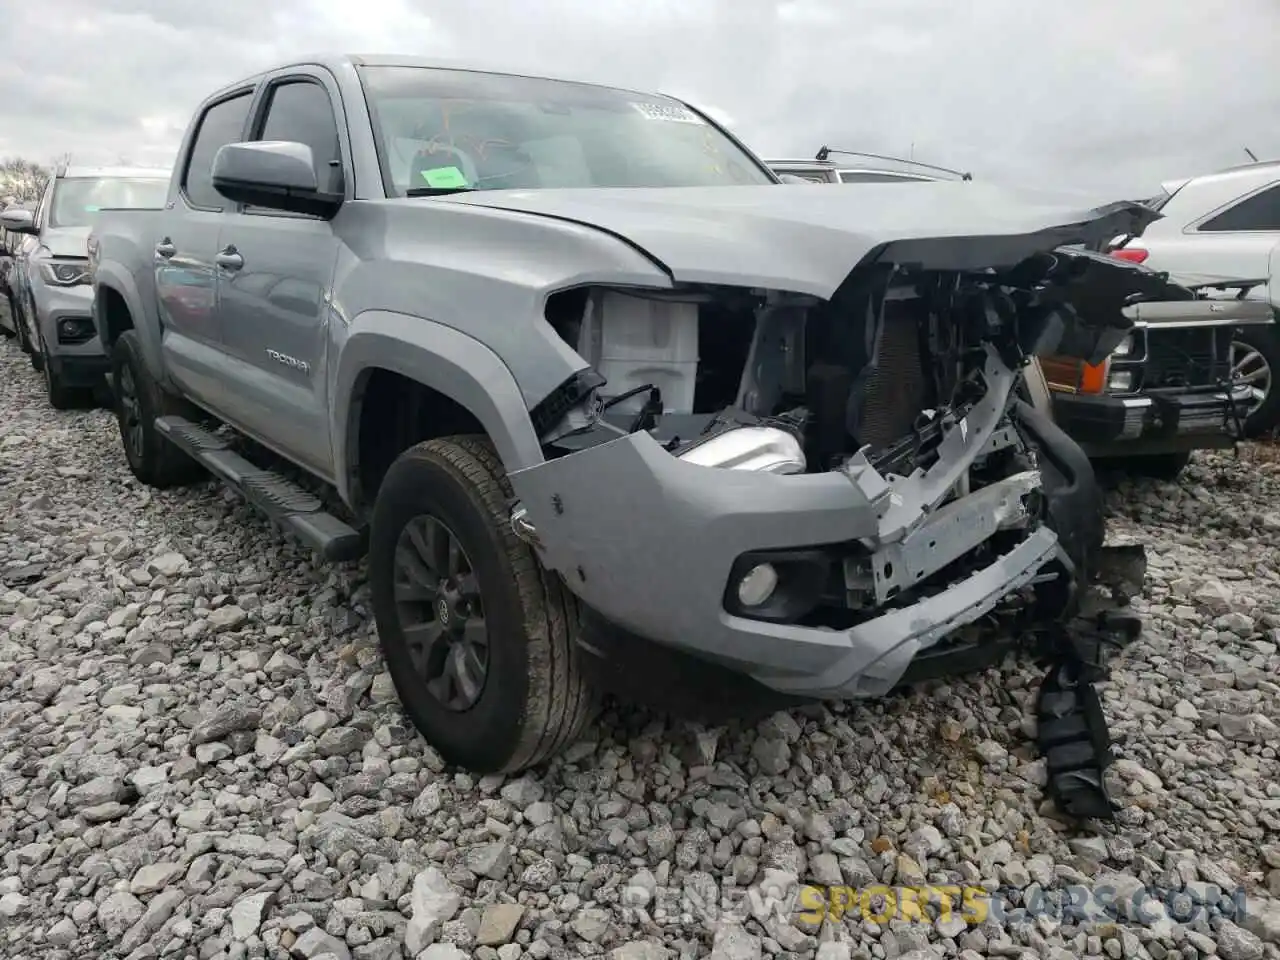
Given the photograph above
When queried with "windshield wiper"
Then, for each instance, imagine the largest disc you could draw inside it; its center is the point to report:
(436, 191)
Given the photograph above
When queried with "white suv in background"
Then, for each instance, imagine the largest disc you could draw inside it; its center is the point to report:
(1219, 227)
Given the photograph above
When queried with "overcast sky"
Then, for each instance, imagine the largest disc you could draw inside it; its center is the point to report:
(1109, 95)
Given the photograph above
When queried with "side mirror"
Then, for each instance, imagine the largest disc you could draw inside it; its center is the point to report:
(19, 221)
(277, 174)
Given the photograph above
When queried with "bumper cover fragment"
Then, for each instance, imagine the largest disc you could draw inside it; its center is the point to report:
(1071, 728)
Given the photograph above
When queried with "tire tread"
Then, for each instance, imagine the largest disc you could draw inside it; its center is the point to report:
(168, 466)
(561, 700)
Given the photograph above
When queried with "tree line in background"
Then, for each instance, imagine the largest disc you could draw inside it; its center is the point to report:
(21, 180)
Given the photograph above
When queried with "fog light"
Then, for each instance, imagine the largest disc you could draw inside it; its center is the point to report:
(69, 328)
(758, 585)
(1120, 381)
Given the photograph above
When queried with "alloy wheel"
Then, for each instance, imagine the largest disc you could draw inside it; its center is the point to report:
(1250, 366)
(441, 614)
(130, 413)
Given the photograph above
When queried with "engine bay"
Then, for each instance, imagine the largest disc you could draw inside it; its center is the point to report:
(889, 377)
(882, 367)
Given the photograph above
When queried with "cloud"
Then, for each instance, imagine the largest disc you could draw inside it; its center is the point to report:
(1092, 95)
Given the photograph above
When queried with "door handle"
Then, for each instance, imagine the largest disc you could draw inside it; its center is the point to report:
(229, 259)
(165, 249)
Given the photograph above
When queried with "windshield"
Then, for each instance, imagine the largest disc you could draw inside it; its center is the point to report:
(77, 199)
(455, 129)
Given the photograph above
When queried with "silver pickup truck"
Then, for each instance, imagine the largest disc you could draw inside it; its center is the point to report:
(595, 394)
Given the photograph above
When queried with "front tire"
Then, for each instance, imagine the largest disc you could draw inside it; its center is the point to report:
(1255, 355)
(61, 396)
(478, 638)
(19, 326)
(34, 354)
(5, 332)
(138, 401)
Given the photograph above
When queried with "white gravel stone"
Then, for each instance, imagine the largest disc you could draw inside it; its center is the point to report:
(198, 758)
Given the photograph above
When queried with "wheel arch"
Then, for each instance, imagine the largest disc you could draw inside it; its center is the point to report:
(453, 382)
(118, 305)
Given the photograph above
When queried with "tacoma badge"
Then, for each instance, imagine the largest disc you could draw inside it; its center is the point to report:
(289, 361)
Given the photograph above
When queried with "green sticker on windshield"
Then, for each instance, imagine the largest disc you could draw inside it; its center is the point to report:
(444, 177)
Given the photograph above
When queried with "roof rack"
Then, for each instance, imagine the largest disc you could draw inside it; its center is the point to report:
(824, 152)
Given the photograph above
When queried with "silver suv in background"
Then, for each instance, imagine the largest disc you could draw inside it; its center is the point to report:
(822, 169)
(827, 171)
(52, 297)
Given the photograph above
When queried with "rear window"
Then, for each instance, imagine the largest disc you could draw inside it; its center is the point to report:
(77, 199)
(862, 176)
(1259, 213)
(803, 175)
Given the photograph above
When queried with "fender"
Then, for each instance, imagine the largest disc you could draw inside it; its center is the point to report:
(110, 276)
(436, 356)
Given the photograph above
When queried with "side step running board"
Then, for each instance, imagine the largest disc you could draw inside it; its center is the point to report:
(286, 503)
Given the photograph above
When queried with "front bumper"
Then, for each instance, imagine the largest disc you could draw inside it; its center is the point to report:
(1160, 421)
(650, 541)
(79, 363)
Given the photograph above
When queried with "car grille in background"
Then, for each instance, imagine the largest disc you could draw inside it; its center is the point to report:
(896, 390)
(1186, 358)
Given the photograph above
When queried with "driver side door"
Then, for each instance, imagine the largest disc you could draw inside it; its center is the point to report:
(275, 279)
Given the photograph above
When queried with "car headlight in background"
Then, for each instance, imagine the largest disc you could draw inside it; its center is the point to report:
(1120, 381)
(64, 273)
(1125, 349)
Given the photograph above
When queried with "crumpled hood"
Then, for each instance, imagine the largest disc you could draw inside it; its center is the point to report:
(66, 241)
(807, 241)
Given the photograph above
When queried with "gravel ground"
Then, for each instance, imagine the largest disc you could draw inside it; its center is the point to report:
(200, 756)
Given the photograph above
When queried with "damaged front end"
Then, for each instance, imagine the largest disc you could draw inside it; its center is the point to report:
(837, 496)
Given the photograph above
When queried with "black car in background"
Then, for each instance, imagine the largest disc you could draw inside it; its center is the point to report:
(1171, 387)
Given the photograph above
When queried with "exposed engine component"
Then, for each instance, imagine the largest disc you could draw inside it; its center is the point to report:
(896, 389)
(766, 449)
(640, 341)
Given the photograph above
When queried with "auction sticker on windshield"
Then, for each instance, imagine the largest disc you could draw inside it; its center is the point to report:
(444, 177)
(667, 111)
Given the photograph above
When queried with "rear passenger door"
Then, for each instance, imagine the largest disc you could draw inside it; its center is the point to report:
(1233, 242)
(274, 281)
(185, 246)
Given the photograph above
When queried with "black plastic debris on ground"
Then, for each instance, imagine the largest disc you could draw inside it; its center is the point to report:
(1071, 729)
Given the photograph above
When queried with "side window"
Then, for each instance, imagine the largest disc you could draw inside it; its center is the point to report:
(301, 111)
(221, 124)
(1260, 212)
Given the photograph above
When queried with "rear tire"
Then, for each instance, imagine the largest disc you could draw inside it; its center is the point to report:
(534, 698)
(138, 401)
